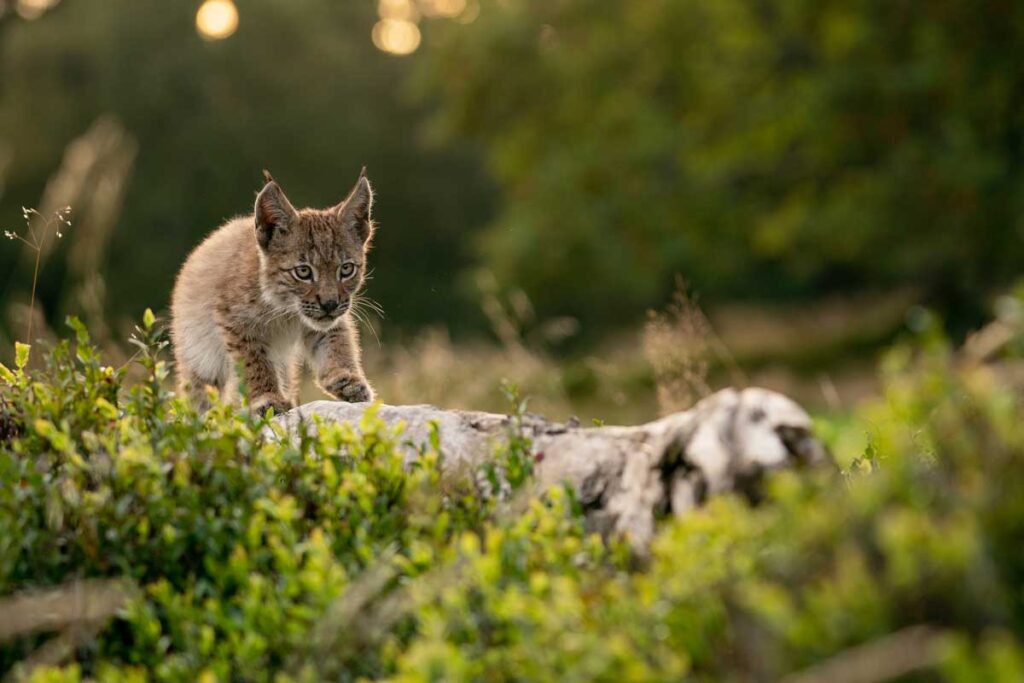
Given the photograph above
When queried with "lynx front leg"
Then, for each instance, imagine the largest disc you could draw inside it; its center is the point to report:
(334, 356)
(259, 373)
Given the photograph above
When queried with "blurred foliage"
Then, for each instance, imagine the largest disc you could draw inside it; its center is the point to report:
(769, 148)
(299, 89)
(258, 558)
(765, 149)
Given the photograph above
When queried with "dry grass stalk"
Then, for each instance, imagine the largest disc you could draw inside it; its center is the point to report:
(107, 154)
(77, 609)
(891, 657)
(19, 315)
(433, 369)
(36, 238)
(762, 330)
(57, 608)
(677, 344)
(92, 176)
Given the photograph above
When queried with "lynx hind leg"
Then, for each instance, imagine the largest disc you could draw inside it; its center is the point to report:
(290, 377)
(195, 389)
(252, 360)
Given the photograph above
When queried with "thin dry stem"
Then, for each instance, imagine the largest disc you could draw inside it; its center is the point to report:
(32, 299)
(37, 244)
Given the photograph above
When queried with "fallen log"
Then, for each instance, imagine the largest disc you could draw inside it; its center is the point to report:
(623, 476)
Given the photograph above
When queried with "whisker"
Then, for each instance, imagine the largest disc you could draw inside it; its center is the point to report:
(364, 314)
(272, 315)
(367, 302)
(375, 307)
(358, 315)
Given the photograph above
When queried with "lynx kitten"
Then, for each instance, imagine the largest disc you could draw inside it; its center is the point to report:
(265, 292)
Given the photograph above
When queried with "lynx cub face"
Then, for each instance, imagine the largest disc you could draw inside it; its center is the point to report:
(265, 293)
(313, 261)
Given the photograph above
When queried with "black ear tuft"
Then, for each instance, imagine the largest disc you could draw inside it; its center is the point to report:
(267, 177)
(274, 213)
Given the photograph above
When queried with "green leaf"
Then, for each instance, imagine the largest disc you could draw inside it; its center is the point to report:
(81, 332)
(434, 436)
(148, 319)
(21, 355)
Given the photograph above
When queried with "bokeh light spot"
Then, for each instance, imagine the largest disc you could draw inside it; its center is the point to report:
(217, 19)
(443, 8)
(397, 36)
(33, 9)
(471, 12)
(397, 9)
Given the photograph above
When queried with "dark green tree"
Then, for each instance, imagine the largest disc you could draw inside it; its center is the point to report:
(763, 148)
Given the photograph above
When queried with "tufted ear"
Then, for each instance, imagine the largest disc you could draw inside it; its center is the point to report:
(274, 213)
(356, 208)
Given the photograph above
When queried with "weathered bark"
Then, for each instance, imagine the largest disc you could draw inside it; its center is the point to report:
(624, 476)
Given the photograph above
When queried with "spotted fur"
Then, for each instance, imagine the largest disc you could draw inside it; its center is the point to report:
(265, 292)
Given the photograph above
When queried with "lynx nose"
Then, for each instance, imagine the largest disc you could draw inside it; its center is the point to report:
(329, 306)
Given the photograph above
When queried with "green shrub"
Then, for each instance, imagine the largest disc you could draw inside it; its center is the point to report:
(258, 558)
(765, 149)
(238, 541)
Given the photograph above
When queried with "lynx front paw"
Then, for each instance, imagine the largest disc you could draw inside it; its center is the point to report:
(263, 403)
(350, 388)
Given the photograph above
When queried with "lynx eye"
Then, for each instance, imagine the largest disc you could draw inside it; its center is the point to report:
(346, 270)
(302, 272)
